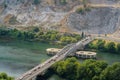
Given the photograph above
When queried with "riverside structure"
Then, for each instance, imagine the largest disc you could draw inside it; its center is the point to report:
(67, 50)
(85, 54)
(52, 51)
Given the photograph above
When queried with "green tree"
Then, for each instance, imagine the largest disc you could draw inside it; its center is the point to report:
(36, 29)
(81, 11)
(101, 45)
(63, 2)
(111, 73)
(118, 48)
(71, 69)
(111, 47)
(4, 76)
(93, 68)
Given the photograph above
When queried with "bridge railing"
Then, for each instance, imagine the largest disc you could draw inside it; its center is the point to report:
(70, 48)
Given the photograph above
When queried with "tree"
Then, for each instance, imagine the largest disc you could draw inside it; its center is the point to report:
(111, 47)
(63, 2)
(71, 69)
(93, 45)
(111, 73)
(4, 76)
(36, 29)
(81, 11)
(93, 68)
(118, 48)
(100, 44)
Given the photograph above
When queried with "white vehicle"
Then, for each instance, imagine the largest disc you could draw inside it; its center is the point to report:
(21, 78)
(29, 73)
(42, 65)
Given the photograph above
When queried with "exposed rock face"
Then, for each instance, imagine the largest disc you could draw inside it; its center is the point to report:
(98, 20)
(47, 14)
(50, 14)
(28, 14)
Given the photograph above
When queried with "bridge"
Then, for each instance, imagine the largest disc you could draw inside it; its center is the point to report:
(67, 50)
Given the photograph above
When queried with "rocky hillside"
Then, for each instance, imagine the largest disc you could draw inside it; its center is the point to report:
(43, 13)
(60, 15)
(97, 20)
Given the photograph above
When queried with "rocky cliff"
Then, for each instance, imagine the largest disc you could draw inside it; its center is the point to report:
(97, 20)
(59, 15)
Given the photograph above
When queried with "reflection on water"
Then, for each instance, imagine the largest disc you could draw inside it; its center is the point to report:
(20, 56)
(109, 57)
(16, 57)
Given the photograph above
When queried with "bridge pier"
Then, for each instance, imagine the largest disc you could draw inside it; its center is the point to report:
(41, 69)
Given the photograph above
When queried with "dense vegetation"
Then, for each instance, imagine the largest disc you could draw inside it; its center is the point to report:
(4, 76)
(85, 8)
(72, 69)
(105, 46)
(63, 2)
(39, 35)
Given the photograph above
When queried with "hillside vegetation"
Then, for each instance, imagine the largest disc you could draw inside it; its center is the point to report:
(4, 76)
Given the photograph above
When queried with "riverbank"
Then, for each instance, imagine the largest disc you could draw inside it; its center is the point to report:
(36, 34)
(104, 46)
(72, 69)
(20, 56)
(107, 57)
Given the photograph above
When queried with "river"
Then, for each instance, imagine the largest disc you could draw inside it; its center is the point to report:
(17, 57)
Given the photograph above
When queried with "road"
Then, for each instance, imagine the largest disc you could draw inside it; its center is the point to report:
(67, 50)
(96, 5)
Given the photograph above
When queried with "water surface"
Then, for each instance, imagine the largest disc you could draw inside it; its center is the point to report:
(16, 57)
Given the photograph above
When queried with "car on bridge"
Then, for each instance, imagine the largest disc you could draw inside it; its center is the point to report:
(21, 78)
(35, 70)
(42, 65)
(38, 67)
(29, 73)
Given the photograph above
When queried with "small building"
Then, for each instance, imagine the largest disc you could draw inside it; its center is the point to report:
(52, 51)
(85, 54)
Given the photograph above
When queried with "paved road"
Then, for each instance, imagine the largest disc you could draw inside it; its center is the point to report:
(67, 50)
(59, 56)
(96, 5)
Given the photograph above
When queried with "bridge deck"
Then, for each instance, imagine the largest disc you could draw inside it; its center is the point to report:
(59, 56)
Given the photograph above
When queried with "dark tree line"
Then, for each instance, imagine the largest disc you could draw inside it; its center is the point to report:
(4, 76)
(14, 33)
(39, 35)
(105, 46)
(72, 69)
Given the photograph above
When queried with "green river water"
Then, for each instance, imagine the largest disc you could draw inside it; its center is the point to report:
(16, 57)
